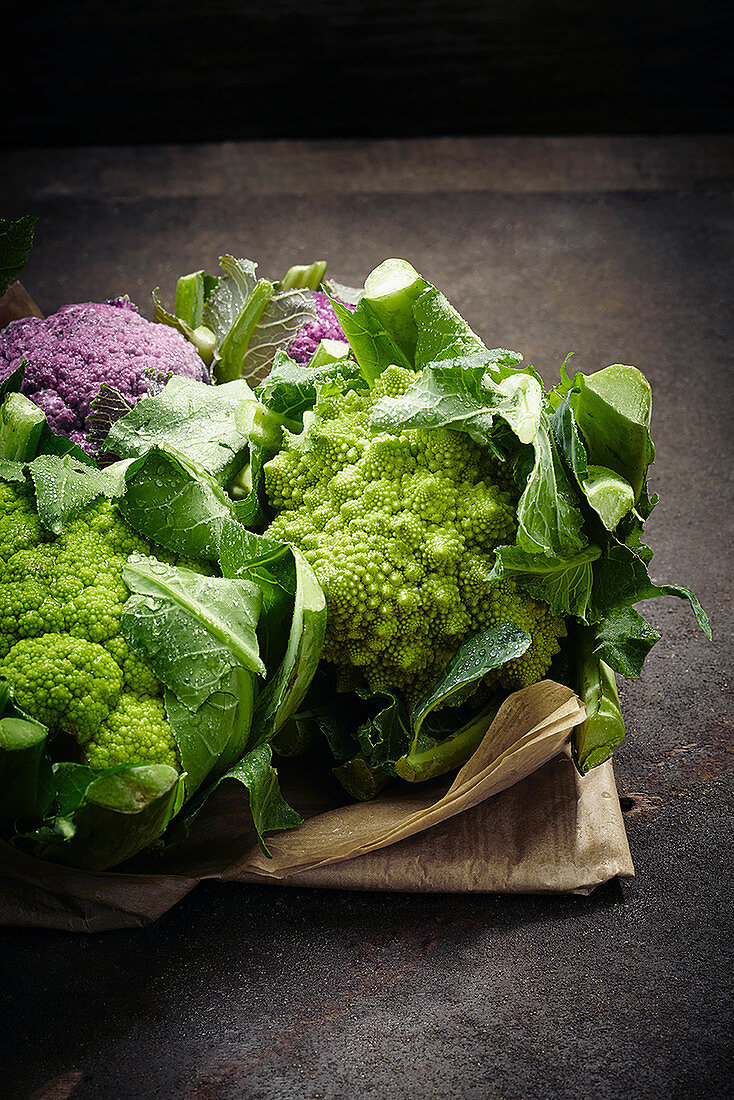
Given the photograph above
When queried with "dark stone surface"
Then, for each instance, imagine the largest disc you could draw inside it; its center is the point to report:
(265, 992)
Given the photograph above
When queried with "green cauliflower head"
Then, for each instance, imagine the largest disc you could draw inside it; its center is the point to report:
(60, 644)
(401, 531)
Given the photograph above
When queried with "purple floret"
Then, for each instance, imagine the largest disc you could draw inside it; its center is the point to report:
(325, 327)
(70, 354)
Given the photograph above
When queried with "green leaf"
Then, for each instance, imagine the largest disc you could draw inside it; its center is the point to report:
(446, 751)
(373, 346)
(52, 444)
(13, 382)
(191, 302)
(12, 471)
(287, 687)
(621, 578)
(70, 785)
(64, 486)
(251, 320)
(610, 495)
(290, 389)
(198, 635)
(384, 736)
(624, 639)
(16, 241)
(478, 655)
(178, 505)
(348, 294)
(105, 409)
(21, 426)
(270, 812)
(199, 421)
(107, 816)
(213, 735)
(565, 584)
(271, 566)
(467, 394)
(432, 755)
(548, 516)
(612, 410)
(190, 629)
(329, 351)
(442, 332)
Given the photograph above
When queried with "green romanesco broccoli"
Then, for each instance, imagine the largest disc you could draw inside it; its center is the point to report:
(400, 531)
(60, 644)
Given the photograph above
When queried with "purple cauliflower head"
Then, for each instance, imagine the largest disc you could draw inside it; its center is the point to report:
(324, 327)
(70, 354)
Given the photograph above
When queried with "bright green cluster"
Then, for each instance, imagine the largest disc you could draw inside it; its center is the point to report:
(400, 531)
(60, 643)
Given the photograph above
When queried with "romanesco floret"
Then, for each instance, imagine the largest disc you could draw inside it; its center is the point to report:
(69, 684)
(60, 644)
(400, 531)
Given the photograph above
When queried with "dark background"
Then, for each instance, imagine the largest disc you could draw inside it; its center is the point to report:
(107, 73)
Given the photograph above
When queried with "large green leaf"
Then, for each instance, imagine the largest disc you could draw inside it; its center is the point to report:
(610, 495)
(624, 639)
(198, 635)
(271, 566)
(251, 320)
(612, 410)
(467, 394)
(65, 485)
(190, 629)
(199, 421)
(21, 426)
(287, 687)
(621, 578)
(270, 812)
(549, 520)
(169, 499)
(478, 655)
(373, 345)
(441, 332)
(213, 735)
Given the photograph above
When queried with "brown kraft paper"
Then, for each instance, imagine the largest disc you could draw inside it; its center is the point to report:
(518, 818)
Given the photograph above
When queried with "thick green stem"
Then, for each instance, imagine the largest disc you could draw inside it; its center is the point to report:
(25, 771)
(391, 290)
(444, 756)
(189, 306)
(304, 276)
(597, 737)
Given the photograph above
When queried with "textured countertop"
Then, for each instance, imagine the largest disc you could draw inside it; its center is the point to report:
(621, 251)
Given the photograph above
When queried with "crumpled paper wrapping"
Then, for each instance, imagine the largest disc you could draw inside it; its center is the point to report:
(518, 818)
